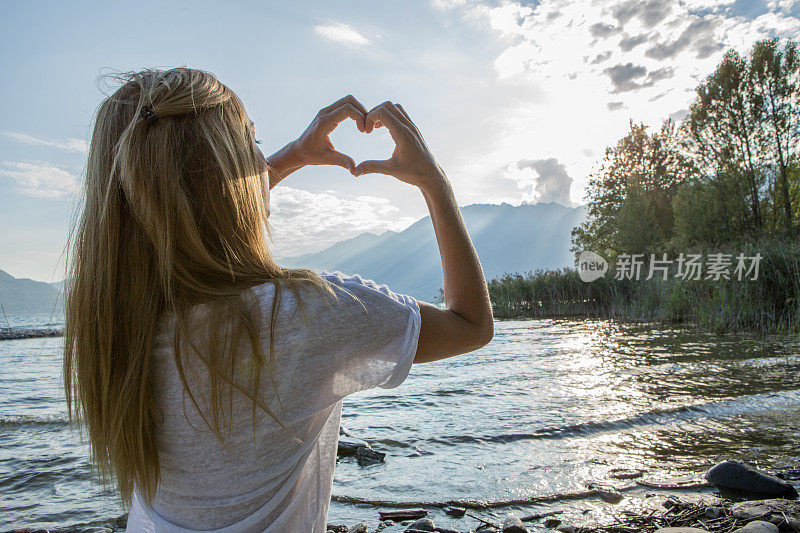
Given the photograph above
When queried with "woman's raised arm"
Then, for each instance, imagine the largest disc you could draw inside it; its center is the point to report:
(467, 323)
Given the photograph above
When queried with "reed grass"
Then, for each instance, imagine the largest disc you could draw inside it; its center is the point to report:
(769, 304)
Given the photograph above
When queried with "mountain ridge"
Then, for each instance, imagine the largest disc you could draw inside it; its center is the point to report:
(508, 239)
(23, 295)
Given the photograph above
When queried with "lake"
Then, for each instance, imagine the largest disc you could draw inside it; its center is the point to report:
(546, 408)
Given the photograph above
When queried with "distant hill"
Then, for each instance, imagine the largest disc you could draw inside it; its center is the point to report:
(508, 239)
(23, 296)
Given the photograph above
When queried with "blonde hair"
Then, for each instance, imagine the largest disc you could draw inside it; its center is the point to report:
(175, 214)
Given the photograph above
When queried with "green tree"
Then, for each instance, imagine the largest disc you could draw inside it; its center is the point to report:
(630, 196)
(722, 129)
(775, 80)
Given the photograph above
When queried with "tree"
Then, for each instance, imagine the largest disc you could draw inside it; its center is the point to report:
(629, 197)
(722, 129)
(775, 80)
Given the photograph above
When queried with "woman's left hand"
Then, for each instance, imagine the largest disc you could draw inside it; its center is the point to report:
(314, 146)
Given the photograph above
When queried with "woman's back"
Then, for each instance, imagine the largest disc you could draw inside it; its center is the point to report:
(263, 474)
(176, 210)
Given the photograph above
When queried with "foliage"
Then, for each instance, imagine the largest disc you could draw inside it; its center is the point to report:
(768, 304)
(726, 179)
(728, 173)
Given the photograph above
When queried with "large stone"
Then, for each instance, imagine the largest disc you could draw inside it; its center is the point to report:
(739, 476)
(762, 509)
(455, 512)
(513, 524)
(758, 526)
(349, 447)
(423, 524)
(361, 527)
(368, 456)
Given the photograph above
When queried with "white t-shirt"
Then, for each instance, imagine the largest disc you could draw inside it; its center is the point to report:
(268, 481)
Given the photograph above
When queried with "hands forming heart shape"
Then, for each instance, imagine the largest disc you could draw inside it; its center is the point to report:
(411, 160)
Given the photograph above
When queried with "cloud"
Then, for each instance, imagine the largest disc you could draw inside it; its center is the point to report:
(628, 43)
(649, 12)
(342, 33)
(603, 31)
(70, 145)
(603, 56)
(630, 77)
(679, 115)
(40, 179)
(699, 35)
(559, 63)
(546, 180)
(301, 221)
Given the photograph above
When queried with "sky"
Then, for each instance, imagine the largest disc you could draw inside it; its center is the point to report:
(517, 100)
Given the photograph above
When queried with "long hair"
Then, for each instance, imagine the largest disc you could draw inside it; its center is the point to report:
(175, 215)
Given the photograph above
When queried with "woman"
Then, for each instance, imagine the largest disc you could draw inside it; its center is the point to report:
(210, 379)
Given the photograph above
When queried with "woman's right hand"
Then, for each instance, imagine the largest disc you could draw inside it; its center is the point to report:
(411, 161)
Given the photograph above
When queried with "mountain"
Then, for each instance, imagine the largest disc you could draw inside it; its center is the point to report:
(508, 239)
(24, 296)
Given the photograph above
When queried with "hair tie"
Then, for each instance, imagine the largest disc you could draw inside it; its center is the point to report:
(148, 114)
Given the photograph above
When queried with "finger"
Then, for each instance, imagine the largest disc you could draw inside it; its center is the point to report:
(409, 122)
(332, 157)
(337, 115)
(349, 99)
(372, 166)
(383, 115)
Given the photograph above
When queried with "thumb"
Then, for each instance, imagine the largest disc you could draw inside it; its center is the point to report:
(373, 166)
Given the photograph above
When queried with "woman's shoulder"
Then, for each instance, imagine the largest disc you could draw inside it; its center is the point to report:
(355, 283)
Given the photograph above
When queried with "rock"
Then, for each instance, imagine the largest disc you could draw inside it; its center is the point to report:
(714, 512)
(607, 494)
(739, 476)
(513, 524)
(423, 524)
(455, 512)
(552, 523)
(405, 514)
(336, 528)
(367, 456)
(349, 447)
(758, 526)
(444, 530)
(567, 529)
(361, 527)
(626, 473)
(680, 530)
(793, 523)
(761, 509)
(122, 521)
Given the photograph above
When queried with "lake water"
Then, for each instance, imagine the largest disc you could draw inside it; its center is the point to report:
(547, 407)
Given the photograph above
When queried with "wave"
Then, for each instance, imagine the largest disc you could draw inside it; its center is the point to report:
(739, 406)
(34, 420)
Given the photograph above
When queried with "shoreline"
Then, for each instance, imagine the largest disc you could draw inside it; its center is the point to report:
(9, 334)
(638, 506)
